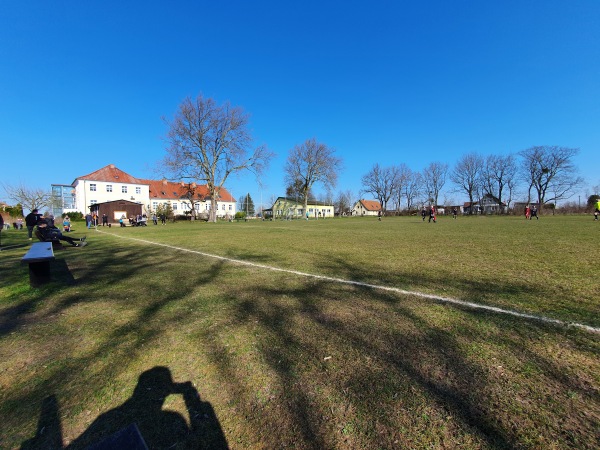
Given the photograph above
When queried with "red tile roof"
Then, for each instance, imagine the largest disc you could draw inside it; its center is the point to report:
(110, 173)
(163, 189)
(158, 189)
(371, 205)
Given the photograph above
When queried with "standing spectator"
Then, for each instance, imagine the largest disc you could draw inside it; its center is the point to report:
(454, 213)
(104, 220)
(527, 212)
(163, 219)
(534, 213)
(431, 214)
(20, 223)
(31, 221)
(423, 213)
(88, 220)
(154, 220)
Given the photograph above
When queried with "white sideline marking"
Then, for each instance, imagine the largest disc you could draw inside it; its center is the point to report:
(437, 298)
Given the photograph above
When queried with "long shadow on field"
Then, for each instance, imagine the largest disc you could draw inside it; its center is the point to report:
(144, 322)
(158, 428)
(354, 367)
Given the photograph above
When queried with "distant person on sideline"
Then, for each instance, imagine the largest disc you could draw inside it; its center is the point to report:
(454, 213)
(423, 213)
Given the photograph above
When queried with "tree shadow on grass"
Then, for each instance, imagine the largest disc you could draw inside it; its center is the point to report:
(159, 428)
(299, 328)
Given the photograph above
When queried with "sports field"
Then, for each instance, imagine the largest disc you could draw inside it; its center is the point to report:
(480, 332)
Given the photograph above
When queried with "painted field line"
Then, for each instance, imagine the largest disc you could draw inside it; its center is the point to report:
(437, 298)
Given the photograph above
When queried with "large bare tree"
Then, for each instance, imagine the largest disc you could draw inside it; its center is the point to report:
(382, 182)
(434, 179)
(208, 142)
(500, 176)
(467, 175)
(404, 175)
(310, 163)
(29, 198)
(550, 172)
(413, 189)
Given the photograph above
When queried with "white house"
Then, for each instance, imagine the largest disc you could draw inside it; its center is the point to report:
(285, 207)
(110, 184)
(366, 208)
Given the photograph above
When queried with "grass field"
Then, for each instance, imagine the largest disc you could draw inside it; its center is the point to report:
(143, 325)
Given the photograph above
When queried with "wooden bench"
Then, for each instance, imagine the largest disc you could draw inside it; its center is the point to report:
(38, 257)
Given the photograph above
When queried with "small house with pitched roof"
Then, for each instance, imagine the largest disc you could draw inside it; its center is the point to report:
(366, 208)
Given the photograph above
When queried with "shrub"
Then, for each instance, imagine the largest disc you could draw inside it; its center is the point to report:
(73, 215)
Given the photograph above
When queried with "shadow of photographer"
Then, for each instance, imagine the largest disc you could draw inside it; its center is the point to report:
(118, 428)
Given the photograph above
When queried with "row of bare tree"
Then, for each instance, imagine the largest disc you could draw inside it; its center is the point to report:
(546, 174)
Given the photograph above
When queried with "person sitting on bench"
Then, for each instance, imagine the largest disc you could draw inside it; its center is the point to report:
(50, 233)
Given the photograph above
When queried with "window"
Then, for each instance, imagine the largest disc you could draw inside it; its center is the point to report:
(174, 206)
(93, 202)
(109, 188)
(230, 207)
(93, 187)
(223, 206)
(138, 190)
(124, 189)
(154, 205)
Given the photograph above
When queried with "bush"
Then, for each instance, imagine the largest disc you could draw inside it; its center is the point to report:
(73, 215)
(240, 215)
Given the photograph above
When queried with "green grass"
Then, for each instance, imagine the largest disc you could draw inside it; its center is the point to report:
(284, 360)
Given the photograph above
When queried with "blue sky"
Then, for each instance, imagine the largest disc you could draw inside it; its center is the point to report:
(86, 84)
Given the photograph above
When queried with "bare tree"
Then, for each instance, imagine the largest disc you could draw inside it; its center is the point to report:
(413, 189)
(29, 198)
(500, 175)
(467, 175)
(550, 171)
(404, 176)
(344, 201)
(382, 182)
(310, 163)
(208, 142)
(434, 179)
